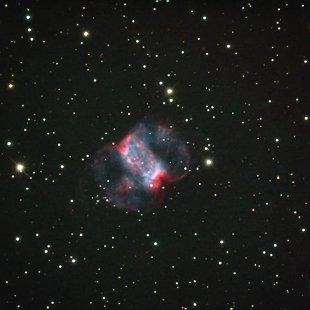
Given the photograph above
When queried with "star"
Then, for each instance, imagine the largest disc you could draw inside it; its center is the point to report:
(20, 167)
(209, 162)
(169, 91)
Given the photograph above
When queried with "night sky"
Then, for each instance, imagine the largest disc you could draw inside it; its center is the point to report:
(232, 78)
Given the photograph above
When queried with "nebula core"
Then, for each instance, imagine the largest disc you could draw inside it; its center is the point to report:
(135, 172)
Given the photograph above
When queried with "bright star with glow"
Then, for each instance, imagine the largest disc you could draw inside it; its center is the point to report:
(169, 91)
(20, 167)
(209, 162)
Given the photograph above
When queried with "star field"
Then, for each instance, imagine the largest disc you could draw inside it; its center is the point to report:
(232, 78)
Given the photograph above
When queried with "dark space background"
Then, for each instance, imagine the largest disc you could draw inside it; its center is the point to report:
(233, 234)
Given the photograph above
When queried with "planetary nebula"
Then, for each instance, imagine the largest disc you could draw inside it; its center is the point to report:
(134, 172)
